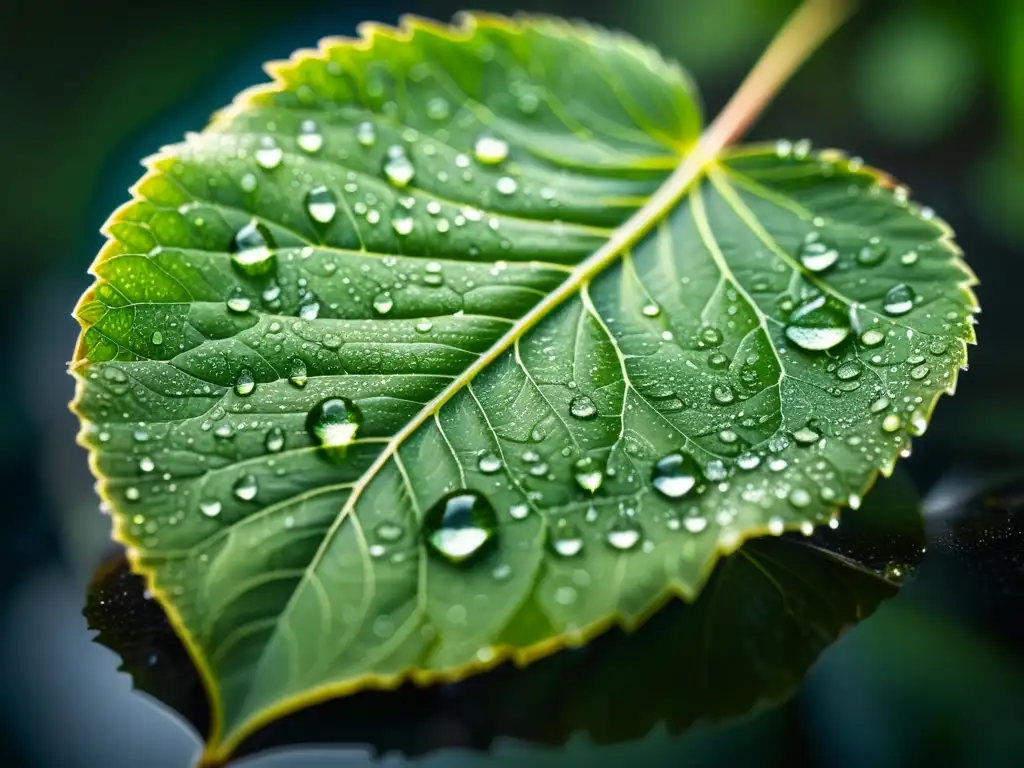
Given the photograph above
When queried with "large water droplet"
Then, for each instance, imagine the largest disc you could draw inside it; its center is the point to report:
(588, 474)
(817, 325)
(252, 248)
(334, 423)
(582, 407)
(675, 475)
(310, 139)
(321, 204)
(458, 526)
(723, 393)
(239, 304)
(398, 168)
(246, 488)
(566, 539)
(298, 375)
(490, 150)
(899, 300)
(817, 253)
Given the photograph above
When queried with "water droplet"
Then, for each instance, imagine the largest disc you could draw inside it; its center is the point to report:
(880, 404)
(873, 253)
(695, 523)
(748, 461)
(817, 325)
(710, 337)
(518, 511)
(891, 423)
(776, 526)
(438, 108)
(816, 253)
(239, 304)
(424, 326)
(275, 440)
(146, 464)
(246, 488)
(506, 185)
(872, 338)
(268, 155)
(298, 376)
(366, 134)
(918, 424)
(382, 303)
(848, 370)
(719, 362)
(675, 475)
(157, 338)
(502, 572)
(588, 474)
(651, 310)
(310, 139)
(490, 150)
(489, 463)
(909, 258)
(334, 423)
(245, 384)
(403, 225)
(210, 508)
(321, 204)
(895, 572)
(624, 533)
(397, 167)
(919, 372)
(459, 525)
(565, 539)
(252, 249)
(723, 394)
(582, 407)
(799, 498)
(389, 532)
(899, 300)
(806, 436)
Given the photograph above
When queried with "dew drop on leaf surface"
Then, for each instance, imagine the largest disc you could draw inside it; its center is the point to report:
(459, 525)
(817, 325)
(675, 475)
(334, 423)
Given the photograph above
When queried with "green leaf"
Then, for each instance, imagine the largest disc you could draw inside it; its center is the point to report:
(399, 346)
(768, 612)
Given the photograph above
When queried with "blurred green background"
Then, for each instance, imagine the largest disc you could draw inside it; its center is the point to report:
(932, 91)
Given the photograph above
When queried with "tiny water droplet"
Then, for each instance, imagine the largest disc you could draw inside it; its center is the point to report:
(403, 225)
(799, 498)
(817, 325)
(459, 525)
(806, 436)
(389, 532)
(695, 523)
(582, 407)
(438, 108)
(588, 474)
(490, 150)
(675, 475)
(518, 511)
(334, 423)
(776, 526)
(146, 464)
(246, 488)
(899, 300)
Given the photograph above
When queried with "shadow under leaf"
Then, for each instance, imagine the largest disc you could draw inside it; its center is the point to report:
(766, 614)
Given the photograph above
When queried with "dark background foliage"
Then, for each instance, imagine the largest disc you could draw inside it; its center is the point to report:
(932, 91)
